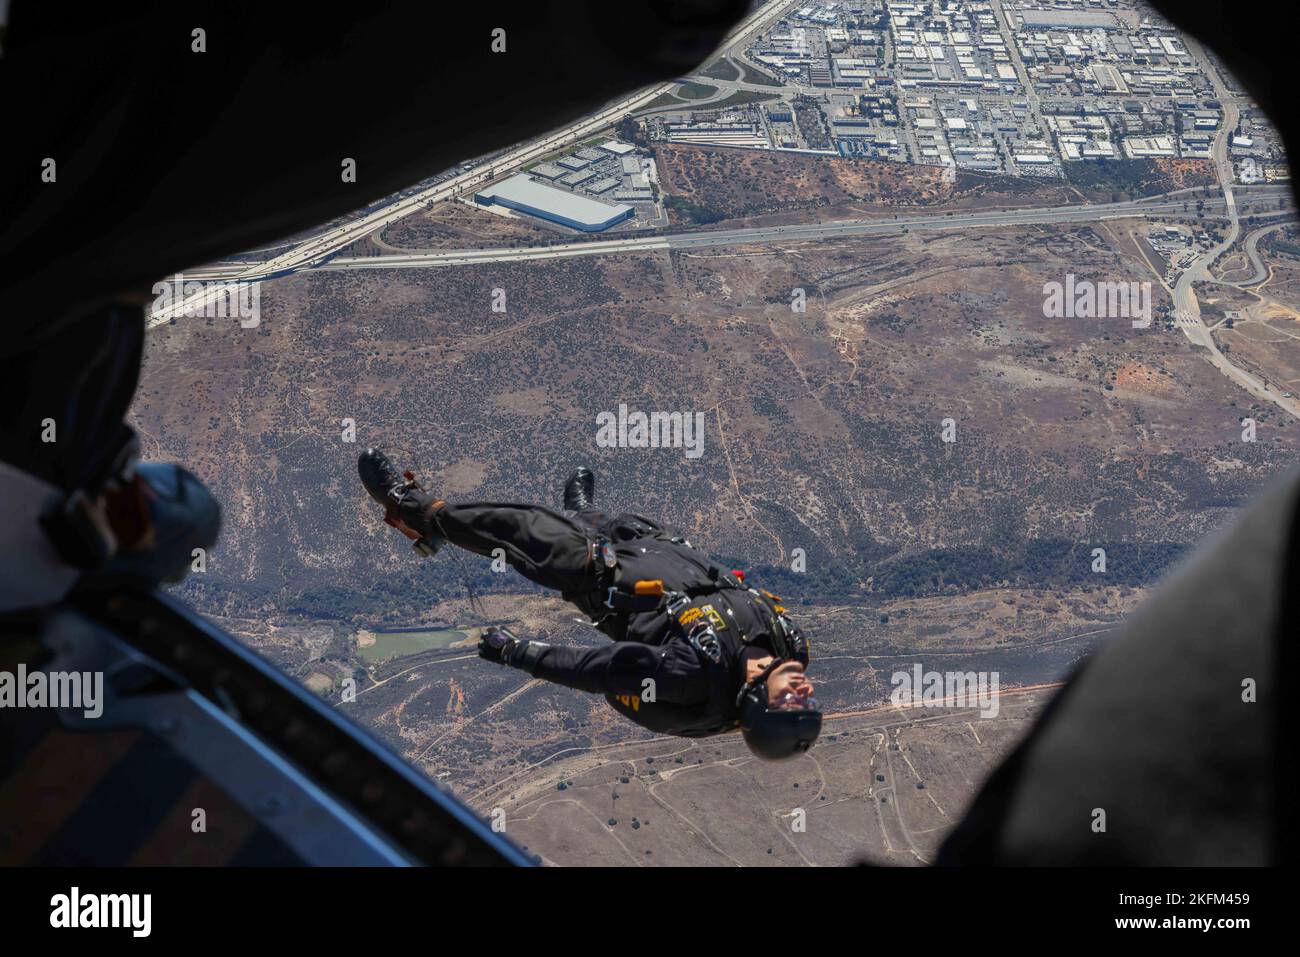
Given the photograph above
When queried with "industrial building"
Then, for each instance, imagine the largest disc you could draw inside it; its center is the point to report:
(527, 195)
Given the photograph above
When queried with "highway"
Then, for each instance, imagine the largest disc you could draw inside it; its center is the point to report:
(1165, 204)
(777, 234)
(320, 251)
(318, 248)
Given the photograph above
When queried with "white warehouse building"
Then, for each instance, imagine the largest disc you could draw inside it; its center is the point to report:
(525, 194)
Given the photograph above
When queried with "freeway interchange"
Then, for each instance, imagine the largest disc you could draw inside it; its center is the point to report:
(307, 256)
(320, 251)
(317, 249)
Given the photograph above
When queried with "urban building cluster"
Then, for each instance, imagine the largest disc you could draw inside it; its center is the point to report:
(1022, 87)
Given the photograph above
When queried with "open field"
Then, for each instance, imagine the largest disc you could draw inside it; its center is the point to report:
(374, 647)
(823, 433)
(881, 788)
(736, 184)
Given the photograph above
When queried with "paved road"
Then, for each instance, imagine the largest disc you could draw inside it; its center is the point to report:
(320, 247)
(318, 250)
(1187, 307)
(773, 234)
(1252, 253)
(1164, 204)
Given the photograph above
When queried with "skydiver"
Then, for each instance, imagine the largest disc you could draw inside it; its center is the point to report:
(695, 651)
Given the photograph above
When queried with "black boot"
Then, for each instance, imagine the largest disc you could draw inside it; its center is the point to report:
(402, 499)
(580, 490)
(378, 475)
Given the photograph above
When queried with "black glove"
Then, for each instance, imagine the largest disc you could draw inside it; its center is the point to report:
(496, 645)
(499, 645)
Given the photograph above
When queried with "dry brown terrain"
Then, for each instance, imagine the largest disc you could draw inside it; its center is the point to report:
(453, 225)
(553, 760)
(1280, 289)
(735, 184)
(823, 432)
(1114, 180)
(1185, 173)
(883, 786)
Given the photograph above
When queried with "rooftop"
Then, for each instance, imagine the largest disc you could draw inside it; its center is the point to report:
(522, 192)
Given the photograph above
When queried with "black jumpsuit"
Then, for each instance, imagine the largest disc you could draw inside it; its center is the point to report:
(653, 673)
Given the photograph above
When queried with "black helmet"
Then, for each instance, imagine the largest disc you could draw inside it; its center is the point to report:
(775, 733)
